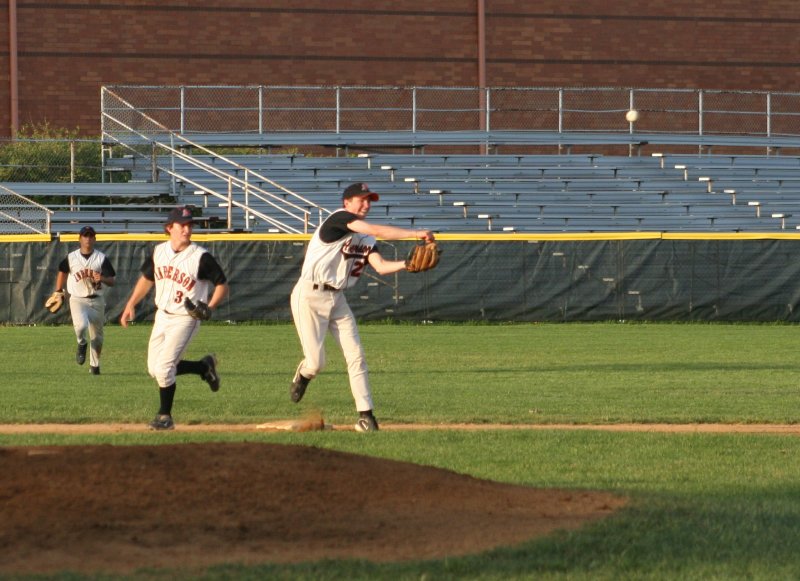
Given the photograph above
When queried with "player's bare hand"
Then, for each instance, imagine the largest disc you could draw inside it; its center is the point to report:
(427, 236)
(127, 317)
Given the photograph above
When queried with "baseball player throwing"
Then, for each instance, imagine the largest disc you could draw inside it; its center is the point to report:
(85, 272)
(184, 275)
(336, 256)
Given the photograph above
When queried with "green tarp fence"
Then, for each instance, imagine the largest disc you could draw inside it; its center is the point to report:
(510, 280)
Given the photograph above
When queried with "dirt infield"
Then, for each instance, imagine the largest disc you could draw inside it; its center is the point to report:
(120, 508)
(303, 425)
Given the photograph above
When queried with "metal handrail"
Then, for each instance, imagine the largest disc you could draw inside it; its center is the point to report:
(248, 171)
(245, 184)
(248, 210)
(47, 211)
(230, 179)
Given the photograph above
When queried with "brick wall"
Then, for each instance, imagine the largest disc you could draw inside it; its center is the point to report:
(67, 51)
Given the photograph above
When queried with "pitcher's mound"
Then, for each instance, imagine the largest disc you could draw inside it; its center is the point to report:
(120, 508)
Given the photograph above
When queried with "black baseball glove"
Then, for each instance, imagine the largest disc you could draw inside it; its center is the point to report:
(199, 311)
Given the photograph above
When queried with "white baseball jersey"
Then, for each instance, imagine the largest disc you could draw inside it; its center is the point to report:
(340, 263)
(79, 280)
(175, 275)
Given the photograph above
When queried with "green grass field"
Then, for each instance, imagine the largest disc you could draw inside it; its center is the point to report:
(704, 506)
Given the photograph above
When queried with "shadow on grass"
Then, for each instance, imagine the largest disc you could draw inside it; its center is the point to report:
(644, 367)
(753, 537)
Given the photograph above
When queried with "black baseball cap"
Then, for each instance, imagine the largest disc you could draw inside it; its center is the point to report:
(359, 189)
(180, 215)
(88, 231)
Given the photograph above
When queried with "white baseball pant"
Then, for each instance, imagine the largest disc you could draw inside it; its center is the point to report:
(88, 316)
(169, 340)
(315, 312)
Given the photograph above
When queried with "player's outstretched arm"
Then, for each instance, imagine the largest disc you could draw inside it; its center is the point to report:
(389, 232)
(383, 266)
(140, 291)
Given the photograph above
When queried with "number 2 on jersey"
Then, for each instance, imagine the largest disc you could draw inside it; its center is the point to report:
(358, 267)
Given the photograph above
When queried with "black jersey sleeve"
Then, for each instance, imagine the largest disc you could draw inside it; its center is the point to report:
(106, 269)
(335, 227)
(63, 266)
(210, 269)
(148, 269)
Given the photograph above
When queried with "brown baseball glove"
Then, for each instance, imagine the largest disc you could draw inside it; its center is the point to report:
(423, 257)
(55, 301)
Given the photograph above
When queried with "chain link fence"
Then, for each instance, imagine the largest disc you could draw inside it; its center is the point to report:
(51, 160)
(40, 160)
(263, 109)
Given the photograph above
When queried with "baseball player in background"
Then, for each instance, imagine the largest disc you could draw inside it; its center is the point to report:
(184, 275)
(85, 273)
(336, 256)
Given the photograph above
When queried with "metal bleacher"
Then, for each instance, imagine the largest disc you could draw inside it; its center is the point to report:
(564, 162)
(463, 193)
(450, 193)
(134, 207)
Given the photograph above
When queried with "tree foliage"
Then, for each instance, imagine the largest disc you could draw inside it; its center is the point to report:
(42, 153)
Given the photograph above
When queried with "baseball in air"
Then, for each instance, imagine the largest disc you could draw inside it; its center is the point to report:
(632, 115)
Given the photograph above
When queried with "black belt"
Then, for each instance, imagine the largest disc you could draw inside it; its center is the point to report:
(92, 296)
(325, 287)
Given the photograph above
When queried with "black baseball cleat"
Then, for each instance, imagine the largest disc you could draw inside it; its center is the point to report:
(94, 370)
(80, 354)
(162, 422)
(211, 376)
(299, 385)
(366, 422)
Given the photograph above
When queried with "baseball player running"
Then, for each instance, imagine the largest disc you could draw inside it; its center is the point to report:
(184, 275)
(335, 258)
(85, 272)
